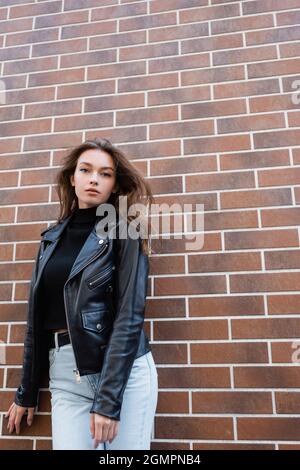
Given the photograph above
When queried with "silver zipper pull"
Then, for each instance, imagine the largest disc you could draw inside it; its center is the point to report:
(77, 376)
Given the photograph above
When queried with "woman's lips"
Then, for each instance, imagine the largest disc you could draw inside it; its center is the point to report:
(91, 192)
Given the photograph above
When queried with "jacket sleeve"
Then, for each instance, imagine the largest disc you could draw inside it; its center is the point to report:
(130, 294)
(27, 393)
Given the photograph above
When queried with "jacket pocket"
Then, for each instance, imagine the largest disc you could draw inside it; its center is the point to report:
(100, 278)
(97, 319)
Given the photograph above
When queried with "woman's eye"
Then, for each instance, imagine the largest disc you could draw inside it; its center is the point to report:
(105, 174)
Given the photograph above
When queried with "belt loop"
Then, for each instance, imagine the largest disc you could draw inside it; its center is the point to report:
(56, 340)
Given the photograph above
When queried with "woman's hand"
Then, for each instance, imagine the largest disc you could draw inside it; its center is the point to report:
(103, 428)
(15, 414)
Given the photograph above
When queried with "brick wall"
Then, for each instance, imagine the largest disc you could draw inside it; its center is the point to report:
(200, 96)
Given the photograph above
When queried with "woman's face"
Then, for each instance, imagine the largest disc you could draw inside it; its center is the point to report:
(95, 169)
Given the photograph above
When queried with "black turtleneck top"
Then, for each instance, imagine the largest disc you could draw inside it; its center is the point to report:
(58, 267)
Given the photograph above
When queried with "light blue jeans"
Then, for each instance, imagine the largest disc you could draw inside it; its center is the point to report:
(71, 403)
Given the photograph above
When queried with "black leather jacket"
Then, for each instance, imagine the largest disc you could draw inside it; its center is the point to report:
(104, 297)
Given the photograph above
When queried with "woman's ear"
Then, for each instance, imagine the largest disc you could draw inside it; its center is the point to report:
(72, 180)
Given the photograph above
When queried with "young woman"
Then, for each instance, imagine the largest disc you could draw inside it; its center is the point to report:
(86, 311)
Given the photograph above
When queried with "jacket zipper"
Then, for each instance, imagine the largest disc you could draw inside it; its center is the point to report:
(103, 276)
(76, 371)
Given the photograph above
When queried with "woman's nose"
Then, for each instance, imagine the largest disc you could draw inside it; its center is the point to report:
(94, 178)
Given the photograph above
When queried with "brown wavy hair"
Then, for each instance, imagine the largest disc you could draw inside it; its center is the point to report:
(130, 183)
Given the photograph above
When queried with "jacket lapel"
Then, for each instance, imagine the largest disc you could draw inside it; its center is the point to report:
(92, 247)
